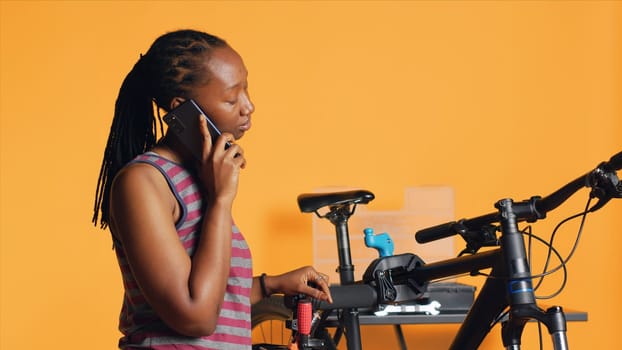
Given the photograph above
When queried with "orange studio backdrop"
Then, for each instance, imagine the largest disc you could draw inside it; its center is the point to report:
(493, 98)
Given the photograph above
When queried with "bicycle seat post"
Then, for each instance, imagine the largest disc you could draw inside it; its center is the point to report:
(339, 216)
(341, 206)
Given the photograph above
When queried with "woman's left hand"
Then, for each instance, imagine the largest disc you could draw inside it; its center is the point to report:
(305, 280)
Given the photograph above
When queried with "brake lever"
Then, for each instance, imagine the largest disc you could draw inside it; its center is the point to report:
(475, 239)
(605, 185)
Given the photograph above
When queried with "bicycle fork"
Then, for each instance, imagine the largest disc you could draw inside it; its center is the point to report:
(519, 288)
(553, 319)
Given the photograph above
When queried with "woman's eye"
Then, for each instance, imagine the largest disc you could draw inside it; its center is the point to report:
(232, 102)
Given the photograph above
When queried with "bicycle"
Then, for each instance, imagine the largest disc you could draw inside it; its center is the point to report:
(506, 297)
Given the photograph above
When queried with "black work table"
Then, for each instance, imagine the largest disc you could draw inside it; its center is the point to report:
(366, 318)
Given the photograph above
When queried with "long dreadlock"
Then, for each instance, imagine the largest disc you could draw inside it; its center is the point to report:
(173, 65)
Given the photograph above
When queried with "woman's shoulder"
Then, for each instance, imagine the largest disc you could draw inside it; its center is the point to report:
(146, 166)
(142, 187)
(138, 176)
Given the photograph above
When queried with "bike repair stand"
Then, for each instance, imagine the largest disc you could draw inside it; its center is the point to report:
(384, 245)
(520, 291)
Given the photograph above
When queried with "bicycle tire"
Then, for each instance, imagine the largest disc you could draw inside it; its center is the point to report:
(268, 318)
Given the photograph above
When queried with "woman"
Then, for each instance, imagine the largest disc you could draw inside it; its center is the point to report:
(186, 267)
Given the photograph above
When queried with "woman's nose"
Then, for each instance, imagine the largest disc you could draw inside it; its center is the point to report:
(247, 107)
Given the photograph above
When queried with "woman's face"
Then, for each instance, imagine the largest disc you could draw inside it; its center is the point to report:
(225, 97)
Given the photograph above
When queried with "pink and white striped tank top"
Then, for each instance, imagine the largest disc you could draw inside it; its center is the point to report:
(141, 326)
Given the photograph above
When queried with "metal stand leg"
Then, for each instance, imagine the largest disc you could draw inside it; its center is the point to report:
(400, 336)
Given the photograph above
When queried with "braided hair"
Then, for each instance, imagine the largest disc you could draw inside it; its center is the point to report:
(173, 65)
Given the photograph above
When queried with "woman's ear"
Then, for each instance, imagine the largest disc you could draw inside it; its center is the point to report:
(176, 101)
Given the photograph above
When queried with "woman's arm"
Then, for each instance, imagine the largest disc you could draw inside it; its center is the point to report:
(186, 293)
(305, 280)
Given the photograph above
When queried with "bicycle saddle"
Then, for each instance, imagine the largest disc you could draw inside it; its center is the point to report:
(310, 202)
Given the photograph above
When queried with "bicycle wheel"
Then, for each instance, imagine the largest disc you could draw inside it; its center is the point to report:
(268, 318)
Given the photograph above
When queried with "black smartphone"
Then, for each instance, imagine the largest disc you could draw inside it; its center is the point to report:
(184, 122)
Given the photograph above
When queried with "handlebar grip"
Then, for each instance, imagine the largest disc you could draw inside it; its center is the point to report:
(304, 317)
(435, 232)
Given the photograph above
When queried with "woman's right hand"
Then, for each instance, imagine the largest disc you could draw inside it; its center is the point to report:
(219, 168)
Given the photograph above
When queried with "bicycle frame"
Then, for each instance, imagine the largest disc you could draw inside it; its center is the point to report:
(488, 305)
(509, 284)
(514, 285)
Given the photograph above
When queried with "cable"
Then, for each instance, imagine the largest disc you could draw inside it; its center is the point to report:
(563, 262)
(551, 251)
(545, 272)
(500, 317)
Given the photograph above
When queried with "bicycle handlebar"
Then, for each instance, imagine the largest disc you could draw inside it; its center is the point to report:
(540, 206)
(615, 162)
